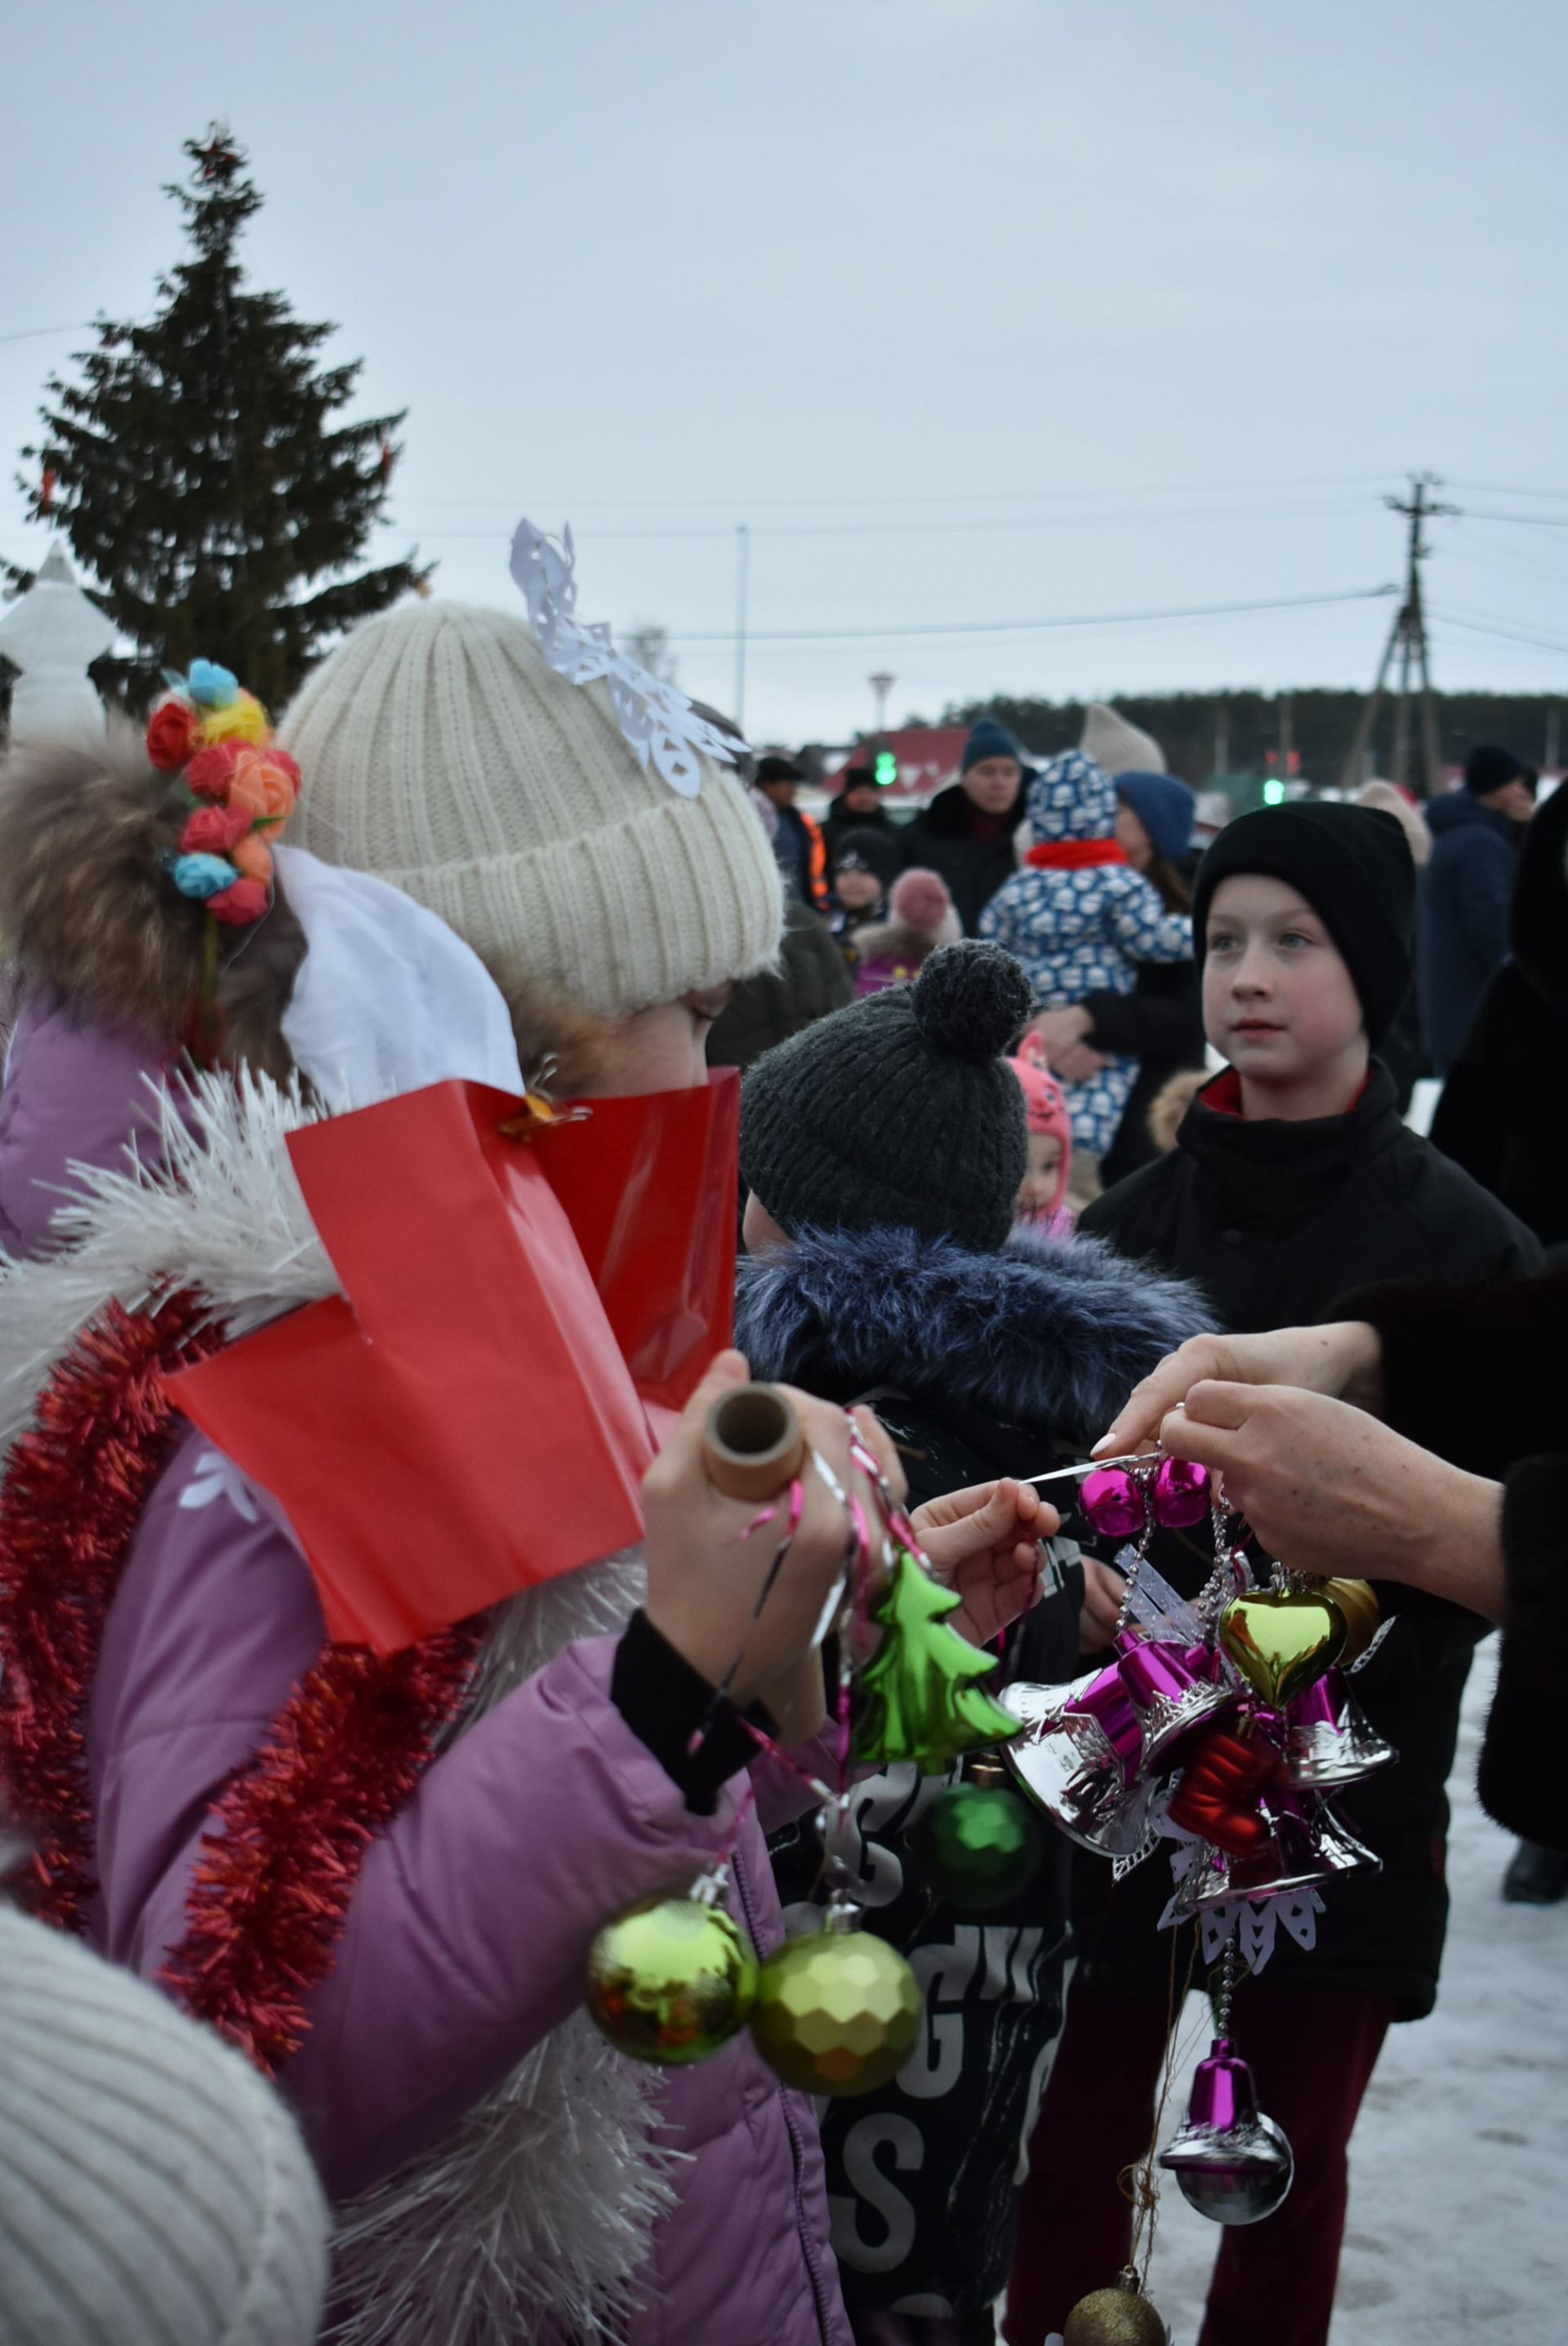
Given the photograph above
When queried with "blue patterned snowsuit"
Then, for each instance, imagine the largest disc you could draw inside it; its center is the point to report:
(1080, 933)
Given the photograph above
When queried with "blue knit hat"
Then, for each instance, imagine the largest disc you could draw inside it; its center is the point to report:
(989, 740)
(1165, 807)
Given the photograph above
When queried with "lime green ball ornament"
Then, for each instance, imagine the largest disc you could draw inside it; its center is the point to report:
(671, 1981)
(837, 2012)
(979, 1846)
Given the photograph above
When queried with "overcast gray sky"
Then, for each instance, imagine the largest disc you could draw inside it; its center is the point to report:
(973, 311)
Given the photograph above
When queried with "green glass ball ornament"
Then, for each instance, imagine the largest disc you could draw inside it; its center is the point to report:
(978, 1845)
(1119, 2316)
(671, 1980)
(836, 2013)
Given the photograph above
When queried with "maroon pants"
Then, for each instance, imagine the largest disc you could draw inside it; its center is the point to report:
(1312, 2056)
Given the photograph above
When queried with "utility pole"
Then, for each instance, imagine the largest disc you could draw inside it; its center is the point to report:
(882, 684)
(1408, 637)
(742, 582)
(1222, 737)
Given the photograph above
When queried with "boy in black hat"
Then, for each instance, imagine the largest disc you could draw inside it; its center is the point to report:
(865, 866)
(1293, 1181)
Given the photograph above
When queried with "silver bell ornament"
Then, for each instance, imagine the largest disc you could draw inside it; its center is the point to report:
(1078, 1765)
(1233, 2164)
(1329, 1741)
(1308, 1846)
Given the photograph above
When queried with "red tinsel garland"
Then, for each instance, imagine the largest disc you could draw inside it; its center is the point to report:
(271, 1887)
(278, 1867)
(74, 1490)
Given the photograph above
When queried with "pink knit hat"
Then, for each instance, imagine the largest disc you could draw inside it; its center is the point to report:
(921, 900)
(1046, 1108)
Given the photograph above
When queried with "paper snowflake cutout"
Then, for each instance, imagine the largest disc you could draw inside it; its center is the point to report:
(216, 1477)
(657, 720)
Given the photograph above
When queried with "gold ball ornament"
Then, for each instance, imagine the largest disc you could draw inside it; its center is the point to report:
(1119, 2316)
(671, 1981)
(837, 2012)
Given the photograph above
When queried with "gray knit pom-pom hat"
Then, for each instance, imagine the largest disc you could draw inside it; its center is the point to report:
(899, 1111)
(442, 752)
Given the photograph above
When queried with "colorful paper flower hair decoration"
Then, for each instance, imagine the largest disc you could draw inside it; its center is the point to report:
(243, 788)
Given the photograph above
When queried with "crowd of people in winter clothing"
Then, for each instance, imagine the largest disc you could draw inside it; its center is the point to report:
(1047, 1127)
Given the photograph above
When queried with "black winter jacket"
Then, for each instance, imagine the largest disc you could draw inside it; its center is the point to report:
(1276, 1220)
(942, 838)
(1462, 930)
(1478, 1379)
(1503, 1114)
(979, 1365)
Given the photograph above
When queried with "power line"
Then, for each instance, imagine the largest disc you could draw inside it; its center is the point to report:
(36, 333)
(1509, 635)
(1033, 626)
(1496, 489)
(1536, 521)
(990, 524)
(752, 501)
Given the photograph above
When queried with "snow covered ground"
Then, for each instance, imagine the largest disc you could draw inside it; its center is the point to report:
(1459, 2170)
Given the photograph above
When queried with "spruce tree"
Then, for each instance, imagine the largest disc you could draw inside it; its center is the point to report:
(198, 468)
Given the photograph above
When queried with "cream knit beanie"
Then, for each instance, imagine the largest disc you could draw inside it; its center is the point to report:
(440, 752)
(1117, 747)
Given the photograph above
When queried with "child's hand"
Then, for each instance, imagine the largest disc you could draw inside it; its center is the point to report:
(708, 1555)
(1103, 1593)
(985, 1542)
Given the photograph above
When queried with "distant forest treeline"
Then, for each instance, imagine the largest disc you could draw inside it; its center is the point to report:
(1243, 728)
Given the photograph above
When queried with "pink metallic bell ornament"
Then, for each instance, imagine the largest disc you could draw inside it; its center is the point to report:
(1233, 2164)
(1181, 1493)
(1113, 1502)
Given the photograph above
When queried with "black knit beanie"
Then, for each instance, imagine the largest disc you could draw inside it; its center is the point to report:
(1353, 865)
(899, 1111)
(875, 851)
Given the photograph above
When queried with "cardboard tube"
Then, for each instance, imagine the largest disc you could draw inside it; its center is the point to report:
(753, 1445)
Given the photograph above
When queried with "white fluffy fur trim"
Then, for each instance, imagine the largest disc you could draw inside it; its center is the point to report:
(221, 1212)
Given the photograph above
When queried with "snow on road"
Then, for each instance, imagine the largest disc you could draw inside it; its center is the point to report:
(1459, 2170)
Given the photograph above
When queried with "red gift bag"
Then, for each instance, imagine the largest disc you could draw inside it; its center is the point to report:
(462, 1422)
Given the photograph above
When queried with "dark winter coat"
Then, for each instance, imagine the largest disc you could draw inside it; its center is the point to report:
(1503, 1114)
(1276, 1221)
(1461, 930)
(943, 838)
(812, 979)
(980, 1365)
(1478, 1379)
(1160, 1025)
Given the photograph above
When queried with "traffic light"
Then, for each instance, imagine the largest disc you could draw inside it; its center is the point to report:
(1273, 791)
(885, 770)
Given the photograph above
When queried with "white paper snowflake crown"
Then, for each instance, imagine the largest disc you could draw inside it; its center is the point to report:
(659, 722)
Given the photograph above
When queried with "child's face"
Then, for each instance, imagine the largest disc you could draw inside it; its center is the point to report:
(1039, 1190)
(1278, 1000)
(857, 891)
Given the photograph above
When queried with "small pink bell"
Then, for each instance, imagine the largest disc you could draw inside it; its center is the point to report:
(1181, 1493)
(1113, 1504)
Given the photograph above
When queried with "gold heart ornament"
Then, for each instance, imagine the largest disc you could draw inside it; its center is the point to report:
(1282, 1642)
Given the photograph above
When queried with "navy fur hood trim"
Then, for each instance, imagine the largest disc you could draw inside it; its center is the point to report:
(1051, 1332)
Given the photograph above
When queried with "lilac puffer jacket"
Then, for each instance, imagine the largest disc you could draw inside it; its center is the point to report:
(466, 1936)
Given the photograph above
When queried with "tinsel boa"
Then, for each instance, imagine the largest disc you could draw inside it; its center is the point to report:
(531, 2220)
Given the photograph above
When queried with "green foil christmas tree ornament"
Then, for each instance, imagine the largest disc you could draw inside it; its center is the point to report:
(979, 1846)
(920, 1696)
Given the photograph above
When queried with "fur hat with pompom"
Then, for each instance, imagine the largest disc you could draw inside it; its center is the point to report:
(900, 1112)
(923, 901)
